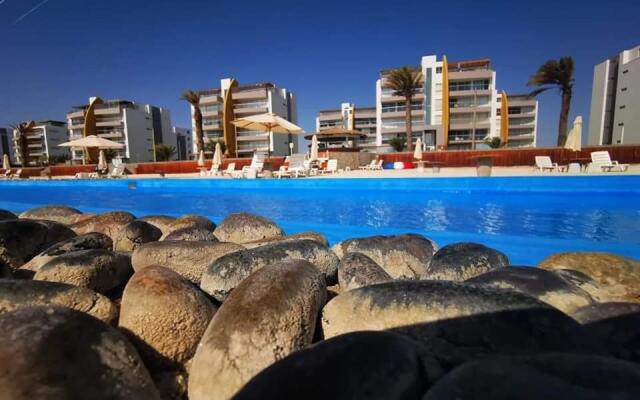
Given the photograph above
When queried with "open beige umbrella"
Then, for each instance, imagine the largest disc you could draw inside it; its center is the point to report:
(93, 141)
(314, 148)
(217, 155)
(417, 152)
(102, 161)
(5, 162)
(201, 159)
(270, 122)
(574, 139)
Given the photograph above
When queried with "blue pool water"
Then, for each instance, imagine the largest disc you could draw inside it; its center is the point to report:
(528, 218)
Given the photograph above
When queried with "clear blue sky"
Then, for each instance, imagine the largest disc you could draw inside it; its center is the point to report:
(57, 53)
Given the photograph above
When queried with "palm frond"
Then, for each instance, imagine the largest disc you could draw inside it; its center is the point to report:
(190, 96)
(536, 92)
(404, 81)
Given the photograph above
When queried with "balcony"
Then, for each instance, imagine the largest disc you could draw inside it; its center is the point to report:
(210, 99)
(115, 122)
(254, 138)
(260, 93)
(469, 93)
(471, 74)
(483, 108)
(75, 114)
(391, 97)
(250, 110)
(108, 111)
(521, 137)
(401, 113)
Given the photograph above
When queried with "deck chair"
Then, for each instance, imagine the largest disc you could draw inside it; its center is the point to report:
(544, 163)
(377, 166)
(17, 174)
(230, 168)
(369, 166)
(332, 167)
(257, 163)
(118, 171)
(601, 160)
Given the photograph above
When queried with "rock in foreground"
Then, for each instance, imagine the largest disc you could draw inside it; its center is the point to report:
(356, 270)
(461, 261)
(58, 213)
(245, 228)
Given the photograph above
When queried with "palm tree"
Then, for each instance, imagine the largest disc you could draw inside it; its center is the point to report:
(558, 74)
(405, 82)
(23, 129)
(164, 152)
(192, 97)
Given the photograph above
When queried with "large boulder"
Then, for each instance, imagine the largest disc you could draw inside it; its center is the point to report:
(162, 222)
(87, 241)
(189, 259)
(563, 376)
(402, 256)
(458, 322)
(58, 213)
(535, 282)
(191, 234)
(225, 273)
(99, 270)
(192, 221)
(271, 314)
(618, 276)
(356, 270)
(165, 316)
(460, 261)
(57, 353)
(296, 236)
(110, 223)
(245, 228)
(6, 215)
(134, 234)
(603, 311)
(360, 365)
(16, 294)
(21, 240)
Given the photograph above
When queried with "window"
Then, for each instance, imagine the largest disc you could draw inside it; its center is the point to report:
(624, 89)
(622, 107)
(438, 70)
(399, 106)
(625, 71)
(479, 84)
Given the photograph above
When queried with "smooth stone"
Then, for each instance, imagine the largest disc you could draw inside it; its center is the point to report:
(58, 213)
(87, 241)
(57, 353)
(356, 270)
(297, 236)
(359, 365)
(192, 221)
(164, 315)
(162, 222)
(15, 294)
(461, 261)
(191, 234)
(245, 228)
(561, 376)
(619, 277)
(22, 239)
(271, 314)
(189, 259)
(110, 223)
(225, 273)
(535, 282)
(134, 234)
(98, 269)
(6, 215)
(403, 256)
(603, 311)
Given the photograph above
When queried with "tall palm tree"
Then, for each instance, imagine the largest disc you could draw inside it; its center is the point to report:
(556, 74)
(192, 97)
(23, 129)
(405, 82)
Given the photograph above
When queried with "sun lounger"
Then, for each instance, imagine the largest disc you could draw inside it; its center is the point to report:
(16, 175)
(297, 167)
(371, 165)
(230, 169)
(377, 166)
(332, 167)
(544, 163)
(601, 160)
(118, 171)
(257, 163)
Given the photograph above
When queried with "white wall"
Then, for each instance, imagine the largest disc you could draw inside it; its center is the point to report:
(138, 128)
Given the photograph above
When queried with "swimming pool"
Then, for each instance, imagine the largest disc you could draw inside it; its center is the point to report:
(528, 218)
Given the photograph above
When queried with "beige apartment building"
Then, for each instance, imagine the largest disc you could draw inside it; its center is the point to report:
(363, 119)
(42, 142)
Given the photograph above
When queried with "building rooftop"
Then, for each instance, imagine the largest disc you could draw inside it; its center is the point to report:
(469, 65)
(250, 86)
(107, 103)
(51, 122)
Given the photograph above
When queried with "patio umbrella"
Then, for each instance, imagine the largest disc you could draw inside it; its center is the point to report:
(417, 153)
(102, 161)
(201, 159)
(5, 162)
(574, 139)
(270, 122)
(217, 155)
(93, 141)
(314, 148)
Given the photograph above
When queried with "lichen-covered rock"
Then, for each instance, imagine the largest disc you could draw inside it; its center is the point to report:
(165, 316)
(162, 222)
(562, 376)
(87, 241)
(297, 236)
(99, 270)
(402, 256)
(58, 213)
(271, 314)
(189, 259)
(57, 353)
(461, 261)
(16, 294)
(110, 223)
(619, 277)
(192, 221)
(134, 234)
(191, 234)
(6, 215)
(356, 270)
(603, 311)
(224, 274)
(360, 365)
(535, 282)
(21, 240)
(245, 228)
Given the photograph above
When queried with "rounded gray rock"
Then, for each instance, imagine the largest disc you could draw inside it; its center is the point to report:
(245, 228)
(191, 234)
(192, 221)
(461, 261)
(162, 222)
(224, 274)
(110, 223)
(134, 234)
(271, 314)
(189, 259)
(297, 236)
(57, 353)
(58, 213)
(402, 257)
(356, 270)
(6, 215)
(99, 270)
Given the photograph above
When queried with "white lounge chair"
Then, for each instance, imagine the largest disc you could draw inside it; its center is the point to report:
(213, 171)
(377, 166)
(544, 163)
(118, 171)
(332, 167)
(257, 163)
(371, 165)
(230, 169)
(601, 160)
(297, 167)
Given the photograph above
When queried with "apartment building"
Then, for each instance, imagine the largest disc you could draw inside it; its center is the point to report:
(138, 126)
(615, 100)
(347, 116)
(184, 144)
(42, 142)
(6, 144)
(230, 101)
(521, 125)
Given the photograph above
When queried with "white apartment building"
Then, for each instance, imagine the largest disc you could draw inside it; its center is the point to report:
(521, 130)
(42, 142)
(184, 143)
(348, 116)
(138, 126)
(231, 101)
(615, 100)
(6, 144)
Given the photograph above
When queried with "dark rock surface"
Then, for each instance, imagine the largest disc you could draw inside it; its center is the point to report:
(461, 261)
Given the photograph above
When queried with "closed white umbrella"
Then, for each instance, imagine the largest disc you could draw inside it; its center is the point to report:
(574, 139)
(201, 158)
(102, 161)
(417, 152)
(314, 148)
(217, 155)
(5, 162)
(270, 122)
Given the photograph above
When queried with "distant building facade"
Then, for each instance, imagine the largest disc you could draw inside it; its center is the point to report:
(42, 143)
(615, 100)
(6, 144)
(184, 143)
(222, 105)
